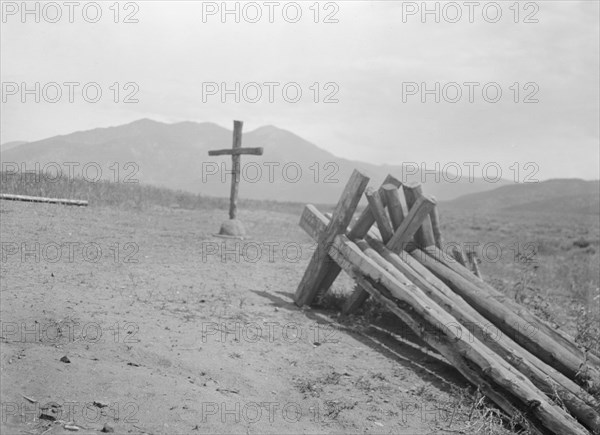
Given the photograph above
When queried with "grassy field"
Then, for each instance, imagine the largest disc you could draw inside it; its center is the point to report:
(549, 263)
(128, 195)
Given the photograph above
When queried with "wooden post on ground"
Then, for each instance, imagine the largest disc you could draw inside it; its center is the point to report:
(25, 198)
(322, 270)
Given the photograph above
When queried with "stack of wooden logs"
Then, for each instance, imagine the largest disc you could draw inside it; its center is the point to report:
(528, 369)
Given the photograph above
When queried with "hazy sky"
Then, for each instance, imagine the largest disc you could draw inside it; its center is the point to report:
(374, 61)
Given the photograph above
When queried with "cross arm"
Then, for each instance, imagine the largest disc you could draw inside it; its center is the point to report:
(237, 151)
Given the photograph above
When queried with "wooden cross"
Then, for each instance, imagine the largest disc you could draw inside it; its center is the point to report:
(236, 153)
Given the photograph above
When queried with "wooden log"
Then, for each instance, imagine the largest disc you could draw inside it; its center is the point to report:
(553, 383)
(580, 404)
(502, 377)
(11, 197)
(411, 225)
(378, 211)
(314, 224)
(473, 261)
(321, 271)
(435, 226)
(424, 235)
(381, 294)
(401, 237)
(394, 204)
(398, 241)
(514, 321)
(366, 219)
(561, 337)
(359, 230)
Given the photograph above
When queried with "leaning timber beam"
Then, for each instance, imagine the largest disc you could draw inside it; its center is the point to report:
(405, 229)
(553, 383)
(560, 336)
(366, 219)
(580, 404)
(322, 271)
(468, 355)
(444, 346)
(25, 198)
(516, 322)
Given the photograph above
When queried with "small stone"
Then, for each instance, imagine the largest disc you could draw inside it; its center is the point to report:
(232, 227)
(65, 359)
(107, 428)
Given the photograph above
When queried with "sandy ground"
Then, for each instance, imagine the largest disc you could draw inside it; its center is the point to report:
(166, 336)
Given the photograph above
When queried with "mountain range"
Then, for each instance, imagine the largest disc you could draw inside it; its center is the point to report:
(176, 156)
(291, 169)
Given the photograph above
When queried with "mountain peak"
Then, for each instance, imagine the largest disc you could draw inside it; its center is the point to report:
(268, 128)
(145, 122)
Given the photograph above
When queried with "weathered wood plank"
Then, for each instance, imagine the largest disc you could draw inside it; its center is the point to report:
(321, 270)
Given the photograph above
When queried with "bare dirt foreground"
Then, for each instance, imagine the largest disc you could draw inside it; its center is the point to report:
(184, 341)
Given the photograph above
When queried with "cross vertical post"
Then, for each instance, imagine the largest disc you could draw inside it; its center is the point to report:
(236, 169)
(233, 227)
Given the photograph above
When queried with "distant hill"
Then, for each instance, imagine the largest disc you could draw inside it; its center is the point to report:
(573, 196)
(176, 156)
(8, 145)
